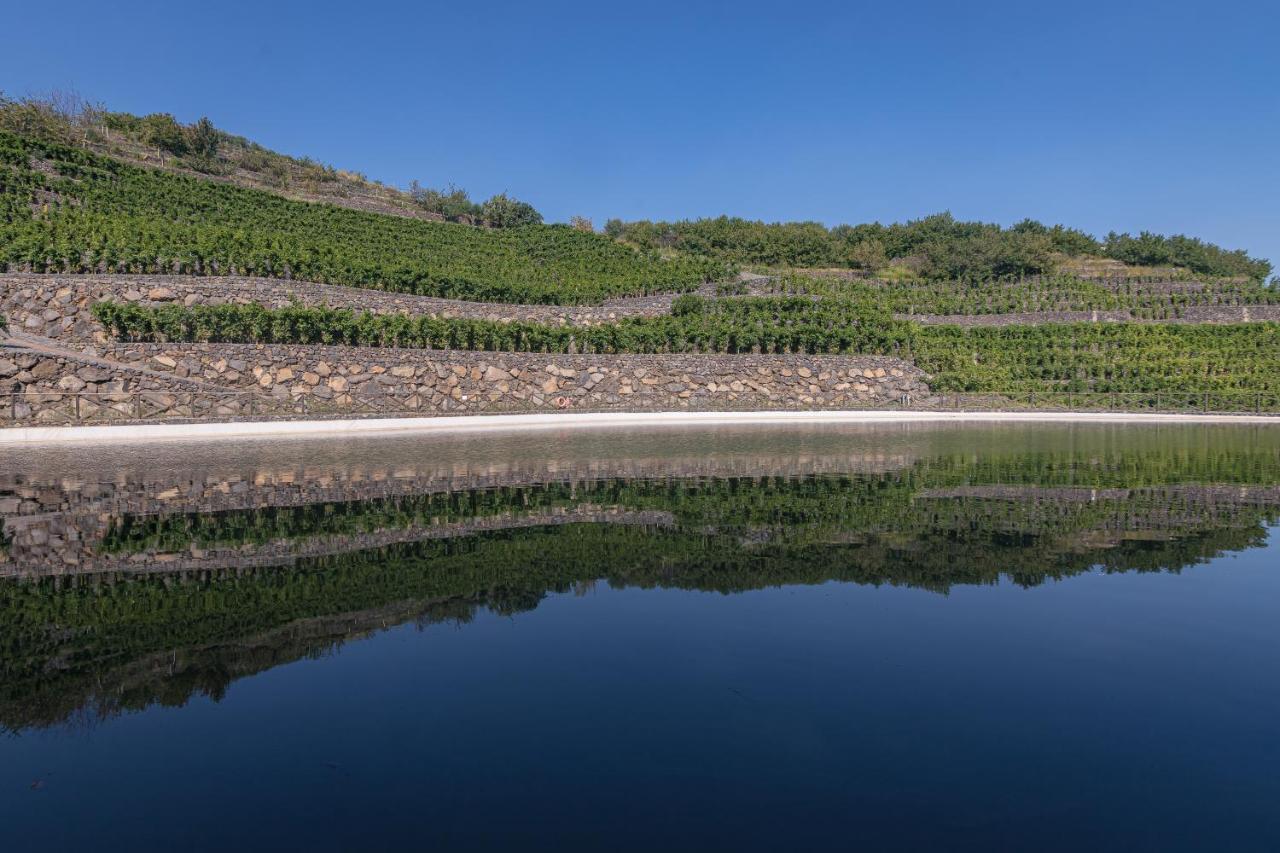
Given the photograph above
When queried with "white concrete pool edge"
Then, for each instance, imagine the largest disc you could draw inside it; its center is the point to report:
(586, 420)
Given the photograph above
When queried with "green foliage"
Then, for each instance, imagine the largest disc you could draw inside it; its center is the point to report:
(869, 255)
(161, 130)
(1149, 249)
(935, 247)
(688, 304)
(122, 218)
(1152, 298)
(988, 253)
(452, 203)
(32, 119)
(1068, 241)
(1102, 357)
(806, 244)
(502, 211)
(123, 123)
(203, 139)
(766, 324)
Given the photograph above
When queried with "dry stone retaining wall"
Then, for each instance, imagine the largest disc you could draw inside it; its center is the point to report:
(56, 521)
(226, 381)
(457, 381)
(45, 388)
(57, 306)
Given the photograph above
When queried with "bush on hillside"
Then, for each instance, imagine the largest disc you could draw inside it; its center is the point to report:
(203, 139)
(937, 246)
(1149, 249)
(161, 130)
(502, 211)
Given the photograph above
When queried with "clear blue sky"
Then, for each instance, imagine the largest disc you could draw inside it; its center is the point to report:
(1112, 115)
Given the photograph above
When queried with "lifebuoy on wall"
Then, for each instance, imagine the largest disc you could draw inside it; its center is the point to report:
(563, 402)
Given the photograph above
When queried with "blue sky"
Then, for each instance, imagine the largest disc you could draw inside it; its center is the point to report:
(1162, 116)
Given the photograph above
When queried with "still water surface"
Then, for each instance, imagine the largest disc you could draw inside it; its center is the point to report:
(893, 638)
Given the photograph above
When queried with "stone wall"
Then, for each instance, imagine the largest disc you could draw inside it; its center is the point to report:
(222, 381)
(55, 388)
(57, 306)
(114, 381)
(454, 381)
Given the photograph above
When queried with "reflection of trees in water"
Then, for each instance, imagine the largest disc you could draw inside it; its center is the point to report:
(99, 645)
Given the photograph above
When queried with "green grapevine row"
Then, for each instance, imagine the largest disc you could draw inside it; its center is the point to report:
(776, 325)
(1157, 300)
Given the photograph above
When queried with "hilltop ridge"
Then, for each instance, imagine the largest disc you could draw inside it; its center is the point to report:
(934, 247)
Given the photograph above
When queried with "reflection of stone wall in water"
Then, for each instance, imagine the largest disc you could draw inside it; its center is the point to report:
(126, 641)
(57, 527)
(125, 623)
(73, 526)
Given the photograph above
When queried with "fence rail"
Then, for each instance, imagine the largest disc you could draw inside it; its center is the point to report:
(143, 406)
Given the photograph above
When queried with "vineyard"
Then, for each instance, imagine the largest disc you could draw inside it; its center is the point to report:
(1102, 358)
(1081, 357)
(1154, 298)
(66, 210)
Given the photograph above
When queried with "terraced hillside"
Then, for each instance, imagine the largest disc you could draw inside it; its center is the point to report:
(248, 301)
(1079, 358)
(66, 210)
(199, 149)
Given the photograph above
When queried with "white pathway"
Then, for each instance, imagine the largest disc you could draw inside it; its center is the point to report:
(18, 436)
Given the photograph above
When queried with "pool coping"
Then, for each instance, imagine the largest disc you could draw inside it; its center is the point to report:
(578, 420)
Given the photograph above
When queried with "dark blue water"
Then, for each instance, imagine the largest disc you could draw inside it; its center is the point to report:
(1131, 707)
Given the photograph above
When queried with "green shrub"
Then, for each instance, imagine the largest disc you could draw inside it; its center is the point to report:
(688, 304)
(163, 131)
(1149, 249)
(940, 246)
(502, 211)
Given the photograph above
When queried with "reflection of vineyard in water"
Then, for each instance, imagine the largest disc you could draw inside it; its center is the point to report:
(103, 642)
